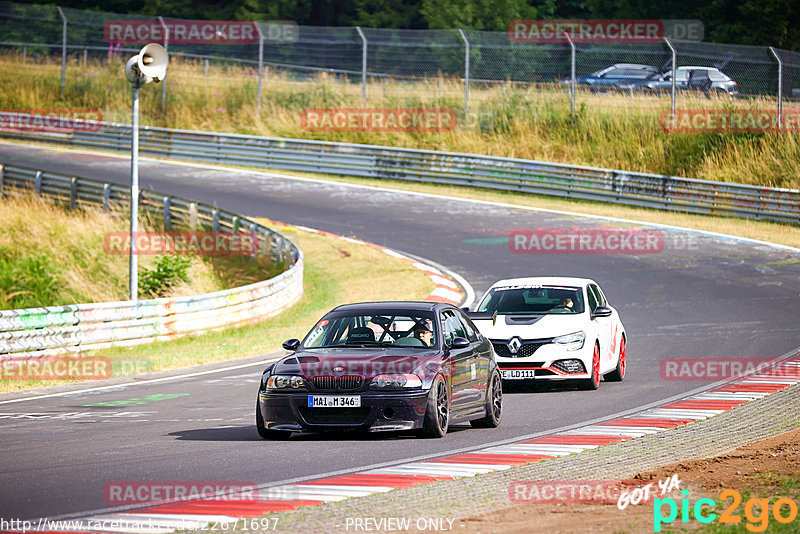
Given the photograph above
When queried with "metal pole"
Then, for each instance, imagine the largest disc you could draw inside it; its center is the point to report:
(466, 74)
(133, 273)
(205, 67)
(166, 48)
(780, 87)
(674, 68)
(363, 67)
(85, 54)
(63, 49)
(572, 76)
(260, 64)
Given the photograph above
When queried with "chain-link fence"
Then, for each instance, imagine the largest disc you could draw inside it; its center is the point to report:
(367, 55)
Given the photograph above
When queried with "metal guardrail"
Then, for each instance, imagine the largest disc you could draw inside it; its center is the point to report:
(37, 332)
(488, 172)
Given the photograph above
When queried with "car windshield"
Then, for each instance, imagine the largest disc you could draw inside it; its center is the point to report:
(358, 329)
(533, 300)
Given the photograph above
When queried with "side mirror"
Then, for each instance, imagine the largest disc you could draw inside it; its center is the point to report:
(291, 344)
(465, 309)
(459, 343)
(601, 311)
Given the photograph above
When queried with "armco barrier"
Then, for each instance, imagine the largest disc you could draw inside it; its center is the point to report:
(511, 174)
(36, 332)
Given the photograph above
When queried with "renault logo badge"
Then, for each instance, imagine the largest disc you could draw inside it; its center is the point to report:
(514, 345)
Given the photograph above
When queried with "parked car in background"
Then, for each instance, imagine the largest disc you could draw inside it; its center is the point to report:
(620, 73)
(690, 78)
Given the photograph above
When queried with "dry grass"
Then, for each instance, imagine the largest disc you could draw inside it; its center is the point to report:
(61, 259)
(615, 131)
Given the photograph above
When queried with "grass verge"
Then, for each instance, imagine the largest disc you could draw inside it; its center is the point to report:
(329, 267)
(63, 259)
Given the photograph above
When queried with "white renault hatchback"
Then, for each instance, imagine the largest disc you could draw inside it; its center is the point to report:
(553, 328)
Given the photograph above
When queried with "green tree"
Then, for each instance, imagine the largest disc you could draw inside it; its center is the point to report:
(476, 14)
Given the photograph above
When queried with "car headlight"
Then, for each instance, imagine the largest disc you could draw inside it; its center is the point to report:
(573, 341)
(277, 382)
(397, 381)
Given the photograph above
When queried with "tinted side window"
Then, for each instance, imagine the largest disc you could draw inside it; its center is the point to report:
(472, 332)
(592, 298)
(452, 327)
(601, 299)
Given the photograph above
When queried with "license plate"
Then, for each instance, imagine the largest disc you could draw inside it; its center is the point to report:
(334, 401)
(517, 374)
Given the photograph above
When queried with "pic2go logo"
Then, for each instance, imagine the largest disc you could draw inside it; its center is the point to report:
(756, 511)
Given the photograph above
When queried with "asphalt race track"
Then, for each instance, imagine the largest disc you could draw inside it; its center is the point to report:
(700, 297)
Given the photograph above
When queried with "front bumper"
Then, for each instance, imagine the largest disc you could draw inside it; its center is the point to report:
(548, 362)
(379, 411)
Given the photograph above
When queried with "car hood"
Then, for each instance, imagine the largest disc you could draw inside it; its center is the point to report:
(368, 362)
(529, 326)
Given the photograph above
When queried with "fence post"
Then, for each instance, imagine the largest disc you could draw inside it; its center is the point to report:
(205, 67)
(106, 197)
(166, 48)
(2, 168)
(24, 54)
(193, 215)
(63, 49)
(363, 67)
(260, 63)
(674, 68)
(167, 213)
(253, 240)
(780, 87)
(37, 183)
(466, 74)
(73, 192)
(572, 75)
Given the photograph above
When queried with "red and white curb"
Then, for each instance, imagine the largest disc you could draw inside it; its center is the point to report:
(446, 290)
(165, 518)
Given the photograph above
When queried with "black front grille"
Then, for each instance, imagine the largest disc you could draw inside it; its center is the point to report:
(570, 366)
(350, 382)
(324, 382)
(332, 416)
(337, 383)
(525, 351)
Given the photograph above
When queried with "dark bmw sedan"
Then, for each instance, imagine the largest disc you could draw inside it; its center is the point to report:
(383, 366)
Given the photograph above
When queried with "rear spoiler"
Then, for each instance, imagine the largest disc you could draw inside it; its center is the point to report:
(483, 316)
